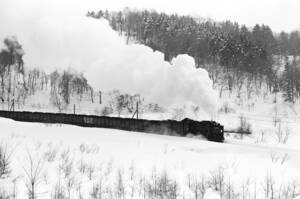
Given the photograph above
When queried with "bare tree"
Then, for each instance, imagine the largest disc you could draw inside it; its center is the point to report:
(269, 186)
(64, 86)
(217, 180)
(120, 185)
(197, 186)
(54, 78)
(5, 155)
(58, 102)
(33, 176)
(79, 85)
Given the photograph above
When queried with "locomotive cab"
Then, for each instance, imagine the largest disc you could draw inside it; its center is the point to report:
(217, 132)
(213, 131)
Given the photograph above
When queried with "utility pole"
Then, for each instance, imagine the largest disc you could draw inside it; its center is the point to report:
(100, 97)
(74, 109)
(13, 105)
(137, 110)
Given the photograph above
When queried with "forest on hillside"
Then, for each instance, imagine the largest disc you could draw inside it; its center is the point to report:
(245, 55)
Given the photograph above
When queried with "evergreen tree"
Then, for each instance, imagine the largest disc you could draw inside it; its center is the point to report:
(289, 82)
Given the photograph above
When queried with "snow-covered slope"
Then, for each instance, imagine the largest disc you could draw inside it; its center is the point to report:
(74, 160)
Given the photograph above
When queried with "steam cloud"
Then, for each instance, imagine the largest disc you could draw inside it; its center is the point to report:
(56, 37)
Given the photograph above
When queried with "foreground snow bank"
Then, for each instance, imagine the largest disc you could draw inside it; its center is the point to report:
(80, 162)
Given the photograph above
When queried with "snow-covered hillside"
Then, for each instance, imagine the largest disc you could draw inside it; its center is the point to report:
(73, 162)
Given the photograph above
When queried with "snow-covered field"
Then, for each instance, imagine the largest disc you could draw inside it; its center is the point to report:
(72, 162)
(75, 162)
(271, 123)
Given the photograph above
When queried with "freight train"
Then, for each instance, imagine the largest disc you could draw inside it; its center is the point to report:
(213, 131)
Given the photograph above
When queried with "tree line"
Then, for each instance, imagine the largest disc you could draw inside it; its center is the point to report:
(244, 54)
(18, 83)
(203, 39)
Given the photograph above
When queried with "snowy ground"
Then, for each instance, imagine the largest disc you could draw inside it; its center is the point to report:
(270, 122)
(75, 161)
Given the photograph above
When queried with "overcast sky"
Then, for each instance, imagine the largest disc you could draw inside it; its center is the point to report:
(279, 14)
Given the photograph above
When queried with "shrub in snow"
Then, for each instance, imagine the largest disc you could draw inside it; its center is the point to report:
(97, 190)
(275, 157)
(282, 136)
(5, 169)
(161, 186)
(65, 154)
(276, 118)
(70, 184)
(245, 126)
(230, 192)
(217, 180)
(245, 189)
(90, 171)
(291, 190)
(178, 114)
(79, 191)
(84, 148)
(197, 186)
(58, 102)
(153, 107)
(226, 108)
(66, 167)
(211, 194)
(106, 111)
(4, 194)
(261, 138)
(59, 192)
(51, 153)
(82, 166)
(120, 185)
(269, 186)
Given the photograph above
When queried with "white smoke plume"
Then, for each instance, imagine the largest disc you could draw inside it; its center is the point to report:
(54, 35)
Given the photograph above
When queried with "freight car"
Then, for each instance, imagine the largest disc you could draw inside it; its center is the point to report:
(211, 130)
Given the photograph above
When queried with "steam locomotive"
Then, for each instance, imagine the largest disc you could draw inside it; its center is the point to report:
(211, 130)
